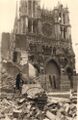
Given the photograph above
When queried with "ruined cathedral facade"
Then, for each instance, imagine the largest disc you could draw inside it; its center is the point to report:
(43, 38)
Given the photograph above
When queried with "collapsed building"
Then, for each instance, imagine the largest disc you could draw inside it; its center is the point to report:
(43, 39)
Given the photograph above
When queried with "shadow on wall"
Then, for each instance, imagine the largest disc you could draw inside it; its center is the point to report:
(10, 68)
(14, 69)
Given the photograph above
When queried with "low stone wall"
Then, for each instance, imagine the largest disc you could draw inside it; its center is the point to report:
(65, 83)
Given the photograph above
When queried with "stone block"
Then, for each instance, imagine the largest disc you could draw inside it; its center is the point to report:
(50, 115)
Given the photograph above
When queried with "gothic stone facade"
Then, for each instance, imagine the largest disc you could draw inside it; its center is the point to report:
(45, 36)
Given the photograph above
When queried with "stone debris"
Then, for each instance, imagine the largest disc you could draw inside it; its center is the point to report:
(20, 101)
(50, 115)
(16, 113)
(7, 81)
(37, 108)
(34, 104)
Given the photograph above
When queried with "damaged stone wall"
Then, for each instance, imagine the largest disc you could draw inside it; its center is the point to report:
(5, 46)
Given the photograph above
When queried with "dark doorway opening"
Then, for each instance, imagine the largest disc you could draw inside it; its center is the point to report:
(50, 79)
(54, 82)
(15, 56)
(53, 73)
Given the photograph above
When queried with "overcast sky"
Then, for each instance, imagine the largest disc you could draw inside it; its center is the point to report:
(7, 15)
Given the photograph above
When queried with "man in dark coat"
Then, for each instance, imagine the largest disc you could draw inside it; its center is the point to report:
(19, 81)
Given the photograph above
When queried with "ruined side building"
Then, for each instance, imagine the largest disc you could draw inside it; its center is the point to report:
(42, 38)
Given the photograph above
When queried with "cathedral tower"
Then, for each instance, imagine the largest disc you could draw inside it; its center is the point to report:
(29, 14)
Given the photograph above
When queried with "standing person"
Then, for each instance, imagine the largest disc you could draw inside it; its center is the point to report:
(19, 81)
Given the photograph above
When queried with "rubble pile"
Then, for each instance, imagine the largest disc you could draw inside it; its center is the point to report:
(7, 80)
(33, 104)
(7, 83)
(9, 71)
(37, 108)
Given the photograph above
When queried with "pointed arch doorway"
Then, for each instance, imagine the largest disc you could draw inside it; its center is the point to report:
(53, 74)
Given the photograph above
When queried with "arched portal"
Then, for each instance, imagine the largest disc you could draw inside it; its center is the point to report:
(53, 74)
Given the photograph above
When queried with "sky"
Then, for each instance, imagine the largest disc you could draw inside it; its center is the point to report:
(8, 11)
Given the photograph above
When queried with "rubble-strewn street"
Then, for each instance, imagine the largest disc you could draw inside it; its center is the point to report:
(34, 103)
(26, 107)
